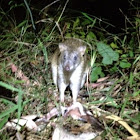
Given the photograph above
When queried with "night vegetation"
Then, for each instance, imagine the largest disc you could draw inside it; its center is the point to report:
(30, 33)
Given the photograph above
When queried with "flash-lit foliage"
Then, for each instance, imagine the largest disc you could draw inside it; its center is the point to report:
(26, 49)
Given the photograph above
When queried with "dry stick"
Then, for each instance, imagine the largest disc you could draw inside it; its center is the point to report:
(60, 30)
(49, 5)
(60, 18)
(19, 136)
(120, 120)
(134, 136)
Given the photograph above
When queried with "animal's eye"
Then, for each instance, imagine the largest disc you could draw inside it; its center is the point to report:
(64, 57)
(75, 57)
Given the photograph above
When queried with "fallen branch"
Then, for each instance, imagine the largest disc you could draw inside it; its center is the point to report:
(124, 124)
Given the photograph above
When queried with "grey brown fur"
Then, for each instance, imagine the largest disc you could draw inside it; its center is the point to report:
(70, 67)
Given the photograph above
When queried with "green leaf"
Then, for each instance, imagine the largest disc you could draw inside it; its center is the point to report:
(76, 23)
(113, 69)
(137, 20)
(107, 53)
(96, 73)
(82, 33)
(86, 22)
(91, 36)
(68, 35)
(131, 53)
(124, 56)
(113, 45)
(125, 64)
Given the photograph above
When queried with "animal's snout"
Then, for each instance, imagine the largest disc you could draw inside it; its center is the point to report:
(67, 67)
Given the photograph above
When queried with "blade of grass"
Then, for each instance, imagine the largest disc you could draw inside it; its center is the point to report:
(44, 53)
(131, 79)
(8, 111)
(32, 20)
(136, 120)
(3, 122)
(93, 58)
(12, 109)
(57, 20)
(7, 102)
(136, 93)
(88, 17)
(8, 86)
(137, 59)
(123, 106)
(19, 103)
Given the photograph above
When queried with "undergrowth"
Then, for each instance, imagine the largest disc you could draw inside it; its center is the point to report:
(25, 74)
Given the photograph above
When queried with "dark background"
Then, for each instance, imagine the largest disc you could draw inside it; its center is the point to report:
(108, 10)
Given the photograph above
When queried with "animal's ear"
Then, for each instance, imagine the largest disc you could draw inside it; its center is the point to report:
(82, 49)
(62, 47)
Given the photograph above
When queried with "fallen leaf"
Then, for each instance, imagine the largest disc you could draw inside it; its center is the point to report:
(20, 74)
(13, 68)
(94, 85)
(102, 79)
(26, 121)
(124, 124)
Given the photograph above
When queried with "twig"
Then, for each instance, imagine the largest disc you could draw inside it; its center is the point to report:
(123, 123)
(19, 136)
(48, 5)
